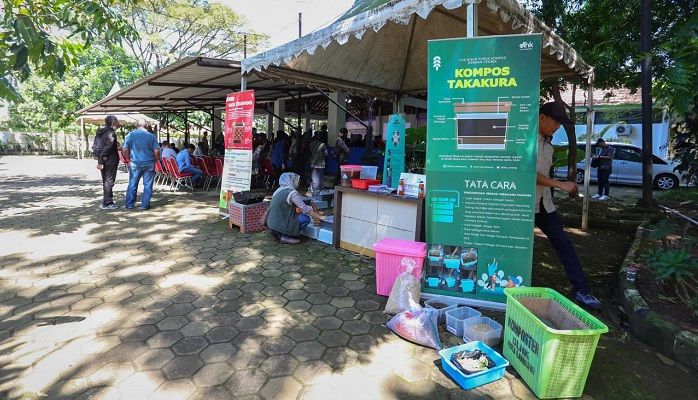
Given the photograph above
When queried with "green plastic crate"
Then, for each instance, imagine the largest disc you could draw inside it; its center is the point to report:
(553, 362)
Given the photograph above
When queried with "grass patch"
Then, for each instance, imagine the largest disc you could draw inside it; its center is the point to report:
(680, 194)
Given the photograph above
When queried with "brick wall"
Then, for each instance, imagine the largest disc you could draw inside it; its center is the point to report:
(252, 215)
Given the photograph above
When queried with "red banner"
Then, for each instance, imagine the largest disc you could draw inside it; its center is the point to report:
(239, 119)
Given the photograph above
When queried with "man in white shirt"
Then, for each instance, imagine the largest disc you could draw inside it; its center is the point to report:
(167, 151)
(551, 116)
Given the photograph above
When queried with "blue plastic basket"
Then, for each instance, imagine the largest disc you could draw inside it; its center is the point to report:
(471, 381)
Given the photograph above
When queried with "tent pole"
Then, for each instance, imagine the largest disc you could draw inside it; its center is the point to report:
(587, 150)
(471, 18)
(82, 137)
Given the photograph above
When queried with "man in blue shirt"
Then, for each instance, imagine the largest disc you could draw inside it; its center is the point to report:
(166, 150)
(184, 164)
(143, 150)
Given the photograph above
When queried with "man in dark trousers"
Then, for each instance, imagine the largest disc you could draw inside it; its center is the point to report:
(107, 157)
(604, 169)
(551, 116)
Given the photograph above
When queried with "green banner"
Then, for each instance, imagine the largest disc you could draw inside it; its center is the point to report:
(481, 164)
(394, 163)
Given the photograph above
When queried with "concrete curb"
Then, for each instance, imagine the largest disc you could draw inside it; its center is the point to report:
(648, 325)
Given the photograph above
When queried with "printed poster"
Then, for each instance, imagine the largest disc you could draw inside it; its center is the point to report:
(394, 160)
(481, 163)
(238, 123)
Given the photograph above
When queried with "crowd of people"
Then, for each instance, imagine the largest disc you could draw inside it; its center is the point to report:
(302, 154)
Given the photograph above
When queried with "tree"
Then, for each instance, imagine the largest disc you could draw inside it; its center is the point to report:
(606, 33)
(50, 103)
(677, 91)
(46, 37)
(171, 30)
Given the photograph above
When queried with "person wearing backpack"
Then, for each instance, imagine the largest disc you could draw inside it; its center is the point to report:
(104, 149)
(318, 152)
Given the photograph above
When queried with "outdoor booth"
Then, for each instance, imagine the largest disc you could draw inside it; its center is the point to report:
(478, 64)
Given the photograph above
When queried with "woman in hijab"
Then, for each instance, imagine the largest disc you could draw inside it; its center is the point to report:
(282, 217)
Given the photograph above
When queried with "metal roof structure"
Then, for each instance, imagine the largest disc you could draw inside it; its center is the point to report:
(379, 47)
(193, 83)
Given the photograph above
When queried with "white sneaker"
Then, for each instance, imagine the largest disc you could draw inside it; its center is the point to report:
(596, 196)
(604, 198)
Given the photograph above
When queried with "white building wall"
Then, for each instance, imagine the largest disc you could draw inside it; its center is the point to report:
(660, 136)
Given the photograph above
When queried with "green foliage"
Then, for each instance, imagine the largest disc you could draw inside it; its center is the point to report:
(415, 135)
(677, 90)
(680, 195)
(49, 104)
(46, 37)
(675, 264)
(175, 29)
(561, 155)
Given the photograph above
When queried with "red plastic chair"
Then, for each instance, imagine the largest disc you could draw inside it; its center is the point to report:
(160, 173)
(219, 171)
(179, 177)
(207, 175)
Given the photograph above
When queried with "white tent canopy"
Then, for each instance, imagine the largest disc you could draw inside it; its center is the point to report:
(125, 119)
(379, 47)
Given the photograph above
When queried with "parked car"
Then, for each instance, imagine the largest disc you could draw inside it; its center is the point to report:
(627, 168)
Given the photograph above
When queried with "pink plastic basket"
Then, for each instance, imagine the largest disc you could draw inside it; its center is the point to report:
(390, 254)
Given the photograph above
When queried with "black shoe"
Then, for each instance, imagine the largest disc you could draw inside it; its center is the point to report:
(145, 208)
(110, 206)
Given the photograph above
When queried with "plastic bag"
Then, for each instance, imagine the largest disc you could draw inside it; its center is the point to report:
(405, 289)
(416, 325)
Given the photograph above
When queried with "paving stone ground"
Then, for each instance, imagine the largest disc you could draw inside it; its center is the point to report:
(170, 304)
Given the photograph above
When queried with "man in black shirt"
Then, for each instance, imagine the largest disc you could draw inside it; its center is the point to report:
(107, 160)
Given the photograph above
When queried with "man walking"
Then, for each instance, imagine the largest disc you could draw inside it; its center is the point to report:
(107, 156)
(143, 150)
(604, 169)
(184, 164)
(551, 116)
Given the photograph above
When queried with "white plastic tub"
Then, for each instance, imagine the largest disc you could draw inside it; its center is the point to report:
(456, 318)
(368, 172)
(472, 331)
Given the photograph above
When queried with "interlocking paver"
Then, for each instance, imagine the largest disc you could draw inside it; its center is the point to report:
(220, 352)
(189, 345)
(154, 359)
(310, 350)
(281, 388)
(221, 334)
(278, 345)
(327, 323)
(182, 367)
(212, 374)
(281, 365)
(248, 381)
(334, 338)
(164, 339)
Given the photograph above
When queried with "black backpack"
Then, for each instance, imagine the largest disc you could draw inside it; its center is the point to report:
(97, 146)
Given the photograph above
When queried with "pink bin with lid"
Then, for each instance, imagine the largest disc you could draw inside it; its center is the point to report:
(391, 257)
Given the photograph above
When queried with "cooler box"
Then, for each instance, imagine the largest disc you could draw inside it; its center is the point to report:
(390, 254)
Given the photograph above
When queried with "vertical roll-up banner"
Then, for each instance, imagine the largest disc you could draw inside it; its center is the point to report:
(483, 98)
(394, 160)
(237, 128)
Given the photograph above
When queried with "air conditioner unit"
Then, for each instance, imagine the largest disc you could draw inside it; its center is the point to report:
(623, 130)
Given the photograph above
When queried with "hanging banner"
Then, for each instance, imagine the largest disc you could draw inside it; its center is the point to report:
(481, 164)
(394, 163)
(239, 119)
